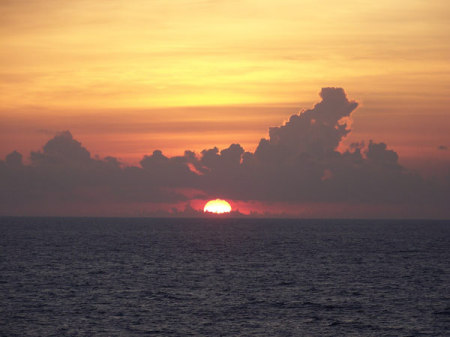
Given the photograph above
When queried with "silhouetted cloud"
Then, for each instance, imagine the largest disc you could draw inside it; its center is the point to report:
(442, 148)
(298, 163)
(14, 159)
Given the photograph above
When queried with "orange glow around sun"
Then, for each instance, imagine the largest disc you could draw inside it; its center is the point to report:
(217, 206)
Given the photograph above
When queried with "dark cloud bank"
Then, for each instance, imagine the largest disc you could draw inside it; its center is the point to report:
(298, 164)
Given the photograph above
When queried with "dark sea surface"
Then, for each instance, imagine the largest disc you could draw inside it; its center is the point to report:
(224, 277)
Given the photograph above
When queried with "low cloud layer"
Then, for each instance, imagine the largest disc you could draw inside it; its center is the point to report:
(298, 163)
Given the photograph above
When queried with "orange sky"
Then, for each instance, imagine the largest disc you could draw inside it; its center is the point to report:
(130, 77)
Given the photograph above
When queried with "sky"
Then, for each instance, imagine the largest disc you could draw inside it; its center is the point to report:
(120, 79)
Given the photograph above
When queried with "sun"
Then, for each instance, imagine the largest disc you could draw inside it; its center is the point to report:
(217, 206)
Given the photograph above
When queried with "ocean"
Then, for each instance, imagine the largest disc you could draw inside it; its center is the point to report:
(223, 277)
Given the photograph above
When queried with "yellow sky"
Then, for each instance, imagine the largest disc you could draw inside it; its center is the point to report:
(106, 69)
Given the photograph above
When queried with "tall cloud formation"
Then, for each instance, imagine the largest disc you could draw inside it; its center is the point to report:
(299, 164)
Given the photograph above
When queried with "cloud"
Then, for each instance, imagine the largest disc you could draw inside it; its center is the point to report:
(442, 148)
(14, 159)
(62, 150)
(64, 172)
(316, 131)
(298, 163)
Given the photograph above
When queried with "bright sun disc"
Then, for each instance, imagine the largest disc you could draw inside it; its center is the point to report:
(217, 206)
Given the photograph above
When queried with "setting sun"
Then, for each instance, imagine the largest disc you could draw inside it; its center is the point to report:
(217, 206)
